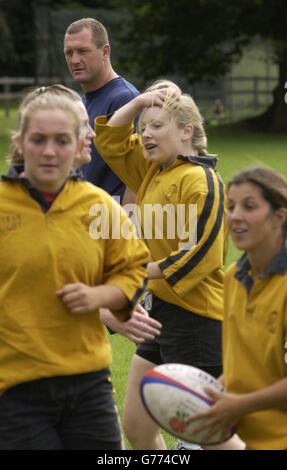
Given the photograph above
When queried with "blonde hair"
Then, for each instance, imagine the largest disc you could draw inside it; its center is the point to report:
(183, 110)
(15, 157)
(47, 102)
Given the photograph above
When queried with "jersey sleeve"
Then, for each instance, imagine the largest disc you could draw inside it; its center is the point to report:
(285, 332)
(125, 259)
(188, 266)
(122, 150)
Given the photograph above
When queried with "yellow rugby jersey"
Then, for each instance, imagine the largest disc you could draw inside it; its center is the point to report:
(254, 345)
(192, 278)
(40, 253)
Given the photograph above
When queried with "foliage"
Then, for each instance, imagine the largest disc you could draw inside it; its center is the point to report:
(18, 34)
(200, 39)
(187, 37)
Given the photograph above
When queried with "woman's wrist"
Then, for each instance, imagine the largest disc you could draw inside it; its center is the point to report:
(154, 271)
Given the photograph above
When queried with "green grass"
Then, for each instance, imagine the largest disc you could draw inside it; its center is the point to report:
(236, 150)
(6, 126)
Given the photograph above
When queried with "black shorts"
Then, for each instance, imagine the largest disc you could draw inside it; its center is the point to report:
(186, 338)
(74, 412)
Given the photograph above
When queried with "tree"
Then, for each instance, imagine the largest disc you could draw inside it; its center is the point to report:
(18, 34)
(200, 39)
(16, 30)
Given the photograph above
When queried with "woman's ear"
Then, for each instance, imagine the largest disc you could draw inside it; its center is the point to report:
(188, 132)
(81, 157)
(281, 215)
(18, 143)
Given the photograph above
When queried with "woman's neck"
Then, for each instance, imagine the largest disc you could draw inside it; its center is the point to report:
(260, 258)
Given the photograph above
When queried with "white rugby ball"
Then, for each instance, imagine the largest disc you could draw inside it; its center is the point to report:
(172, 393)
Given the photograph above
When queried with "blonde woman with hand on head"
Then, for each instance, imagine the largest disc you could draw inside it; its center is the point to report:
(55, 386)
(167, 165)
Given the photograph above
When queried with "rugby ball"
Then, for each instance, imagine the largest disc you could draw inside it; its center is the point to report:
(172, 393)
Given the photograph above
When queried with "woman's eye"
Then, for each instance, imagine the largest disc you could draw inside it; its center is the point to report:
(63, 141)
(37, 140)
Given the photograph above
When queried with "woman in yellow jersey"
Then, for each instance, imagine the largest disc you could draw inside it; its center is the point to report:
(255, 321)
(180, 198)
(57, 271)
(140, 326)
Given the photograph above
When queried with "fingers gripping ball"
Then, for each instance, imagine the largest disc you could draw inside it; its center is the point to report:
(173, 393)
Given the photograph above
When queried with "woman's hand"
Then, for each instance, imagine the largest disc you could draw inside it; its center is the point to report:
(138, 328)
(79, 298)
(223, 415)
(151, 98)
(158, 98)
(127, 113)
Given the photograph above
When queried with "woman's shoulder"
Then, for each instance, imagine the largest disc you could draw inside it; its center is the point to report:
(230, 275)
(90, 192)
(199, 178)
(231, 269)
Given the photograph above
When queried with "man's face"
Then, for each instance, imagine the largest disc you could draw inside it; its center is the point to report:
(85, 61)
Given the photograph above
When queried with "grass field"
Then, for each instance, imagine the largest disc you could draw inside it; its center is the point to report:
(236, 150)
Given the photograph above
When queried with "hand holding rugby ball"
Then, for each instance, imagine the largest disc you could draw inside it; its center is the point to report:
(173, 393)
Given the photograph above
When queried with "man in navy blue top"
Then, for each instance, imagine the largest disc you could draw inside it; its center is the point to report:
(87, 51)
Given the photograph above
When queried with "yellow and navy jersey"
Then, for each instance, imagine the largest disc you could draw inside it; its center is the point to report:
(254, 345)
(43, 250)
(187, 200)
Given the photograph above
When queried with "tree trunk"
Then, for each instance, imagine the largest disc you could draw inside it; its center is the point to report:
(274, 119)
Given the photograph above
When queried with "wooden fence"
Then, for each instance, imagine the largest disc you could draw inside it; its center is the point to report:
(8, 95)
(239, 95)
(235, 93)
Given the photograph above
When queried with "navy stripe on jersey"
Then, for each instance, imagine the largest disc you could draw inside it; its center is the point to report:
(139, 293)
(197, 258)
(209, 201)
(207, 206)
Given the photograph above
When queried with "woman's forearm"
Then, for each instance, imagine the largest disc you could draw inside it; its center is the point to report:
(127, 113)
(154, 271)
(274, 396)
